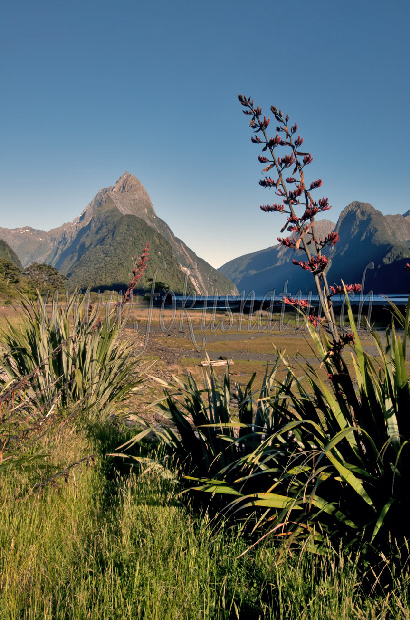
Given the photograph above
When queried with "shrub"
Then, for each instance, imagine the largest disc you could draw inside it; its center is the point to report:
(9, 272)
(23, 420)
(45, 278)
(70, 353)
(347, 445)
(216, 424)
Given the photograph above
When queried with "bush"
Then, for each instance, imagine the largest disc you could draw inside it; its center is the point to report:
(70, 353)
(45, 278)
(309, 456)
(348, 444)
(215, 425)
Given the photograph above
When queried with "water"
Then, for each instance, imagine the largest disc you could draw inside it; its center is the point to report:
(235, 300)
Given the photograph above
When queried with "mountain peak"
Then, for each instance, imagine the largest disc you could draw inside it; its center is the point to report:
(127, 182)
(357, 205)
(70, 246)
(130, 197)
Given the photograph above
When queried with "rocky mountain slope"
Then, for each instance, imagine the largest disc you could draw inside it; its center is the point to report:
(101, 254)
(65, 246)
(366, 236)
(8, 254)
(268, 269)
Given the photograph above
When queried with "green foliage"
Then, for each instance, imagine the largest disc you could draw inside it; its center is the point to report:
(218, 429)
(103, 255)
(8, 254)
(33, 279)
(9, 272)
(312, 456)
(348, 443)
(158, 285)
(355, 437)
(45, 278)
(70, 353)
(22, 421)
(95, 543)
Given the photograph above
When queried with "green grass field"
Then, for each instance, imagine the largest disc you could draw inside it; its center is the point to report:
(111, 541)
(84, 534)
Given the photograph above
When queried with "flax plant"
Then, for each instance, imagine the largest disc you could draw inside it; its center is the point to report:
(70, 352)
(300, 224)
(308, 457)
(329, 457)
(350, 438)
(215, 424)
(348, 443)
(79, 355)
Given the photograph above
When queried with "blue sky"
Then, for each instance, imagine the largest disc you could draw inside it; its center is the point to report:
(92, 88)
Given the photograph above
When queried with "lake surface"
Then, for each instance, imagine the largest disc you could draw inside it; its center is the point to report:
(232, 301)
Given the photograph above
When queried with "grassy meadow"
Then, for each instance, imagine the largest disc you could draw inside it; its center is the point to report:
(85, 533)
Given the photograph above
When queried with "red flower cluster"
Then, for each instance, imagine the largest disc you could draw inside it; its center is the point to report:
(302, 226)
(260, 125)
(316, 184)
(268, 182)
(140, 267)
(315, 320)
(331, 239)
(274, 207)
(286, 161)
(296, 193)
(273, 142)
(309, 213)
(245, 100)
(302, 303)
(350, 288)
(316, 264)
(265, 123)
(324, 204)
(293, 219)
(288, 242)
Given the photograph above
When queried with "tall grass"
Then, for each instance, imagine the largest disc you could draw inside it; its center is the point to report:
(85, 535)
(114, 543)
